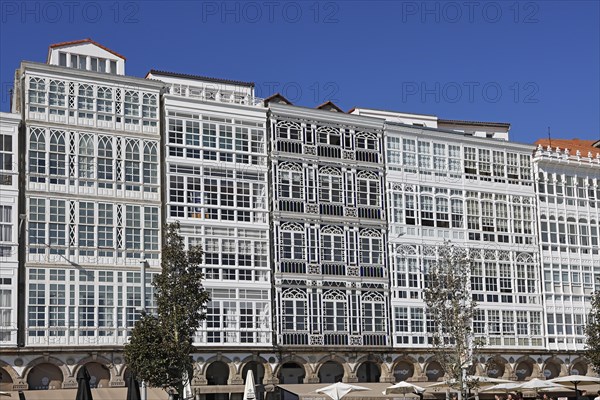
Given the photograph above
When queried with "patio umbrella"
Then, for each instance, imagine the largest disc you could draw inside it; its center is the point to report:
(339, 390)
(133, 388)
(481, 380)
(403, 388)
(502, 387)
(84, 392)
(249, 387)
(576, 380)
(5, 394)
(537, 384)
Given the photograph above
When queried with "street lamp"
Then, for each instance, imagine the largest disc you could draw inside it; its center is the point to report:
(143, 264)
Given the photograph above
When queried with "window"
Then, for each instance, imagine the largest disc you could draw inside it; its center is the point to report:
(37, 225)
(133, 230)
(441, 206)
(104, 103)
(292, 242)
(332, 245)
(291, 184)
(149, 106)
(409, 156)
(330, 185)
(209, 135)
(56, 97)
(424, 155)
(294, 313)
(105, 225)
(368, 189)
(470, 157)
(86, 156)
(105, 158)
(334, 311)
(37, 154)
(150, 164)
(57, 227)
(6, 226)
(132, 106)
(288, 130)
(427, 211)
(57, 157)
(150, 228)
(370, 247)
(85, 99)
(457, 213)
(37, 91)
(132, 163)
(6, 159)
(373, 313)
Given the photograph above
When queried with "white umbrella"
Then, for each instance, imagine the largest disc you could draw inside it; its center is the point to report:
(537, 384)
(403, 388)
(339, 390)
(5, 394)
(576, 380)
(502, 387)
(249, 387)
(482, 380)
(187, 387)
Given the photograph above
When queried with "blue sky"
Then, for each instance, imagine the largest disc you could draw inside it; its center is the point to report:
(534, 64)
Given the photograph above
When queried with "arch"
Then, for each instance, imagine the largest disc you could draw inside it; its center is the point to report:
(496, 367)
(258, 369)
(290, 226)
(105, 148)
(372, 296)
(552, 368)
(307, 368)
(328, 170)
(217, 373)
(332, 230)
(368, 371)
(334, 295)
(45, 376)
(404, 370)
(100, 374)
(366, 135)
(524, 369)
(406, 249)
(368, 232)
(7, 378)
(331, 371)
(289, 166)
(434, 371)
(132, 150)
(291, 372)
(579, 366)
(367, 175)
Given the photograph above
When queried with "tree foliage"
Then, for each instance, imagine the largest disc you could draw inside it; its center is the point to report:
(592, 333)
(160, 345)
(451, 308)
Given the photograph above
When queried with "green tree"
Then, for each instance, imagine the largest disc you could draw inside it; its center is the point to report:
(451, 308)
(592, 333)
(160, 345)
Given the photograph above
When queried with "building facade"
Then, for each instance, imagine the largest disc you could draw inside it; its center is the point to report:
(9, 227)
(567, 174)
(318, 227)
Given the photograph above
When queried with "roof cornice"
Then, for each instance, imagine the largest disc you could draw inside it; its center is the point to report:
(307, 113)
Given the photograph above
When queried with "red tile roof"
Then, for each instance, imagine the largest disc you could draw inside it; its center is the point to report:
(584, 146)
(88, 40)
(276, 96)
(328, 105)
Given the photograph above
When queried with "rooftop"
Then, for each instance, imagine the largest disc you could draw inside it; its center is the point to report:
(584, 146)
(88, 40)
(199, 78)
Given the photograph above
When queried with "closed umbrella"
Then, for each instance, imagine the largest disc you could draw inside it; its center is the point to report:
(339, 390)
(84, 392)
(576, 380)
(133, 388)
(249, 387)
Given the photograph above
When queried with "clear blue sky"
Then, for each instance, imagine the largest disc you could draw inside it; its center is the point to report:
(532, 64)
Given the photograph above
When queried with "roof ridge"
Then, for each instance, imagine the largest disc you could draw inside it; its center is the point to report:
(200, 77)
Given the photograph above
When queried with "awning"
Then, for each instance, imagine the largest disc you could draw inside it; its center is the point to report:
(308, 391)
(114, 393)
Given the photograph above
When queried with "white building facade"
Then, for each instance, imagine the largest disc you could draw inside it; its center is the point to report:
(568, 184)
(91, 188)
(317, 227)
(9, 227)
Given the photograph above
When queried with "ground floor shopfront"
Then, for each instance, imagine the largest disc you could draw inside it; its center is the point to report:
(220, 373)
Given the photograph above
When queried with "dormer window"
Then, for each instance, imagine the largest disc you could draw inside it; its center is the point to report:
(86, 55)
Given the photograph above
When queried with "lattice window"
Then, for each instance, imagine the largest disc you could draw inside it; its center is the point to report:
(330, 185)
(37, 91)
(291, 181)
(288, 130)
(86, 156)
(332, 244)
(58, 155)
(335, 313)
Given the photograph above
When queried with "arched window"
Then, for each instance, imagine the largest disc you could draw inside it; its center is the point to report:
(56, 96)
(105, 158)
(373, 312)
(86, 156)
(370, 247)
(332, 244)
(292, 246)
(150, 163)
(294, 309)
(37, 154)
(291, 181)
(132, 162)
(329, 136)
(330, 185)
(57, 157)
(335, 311)
(37, 91)
(132, 103)
(367, 141)
(85, 99)
(572, 231)
(368, 189)
(104, 103)
(288, 130)
(526, 274)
